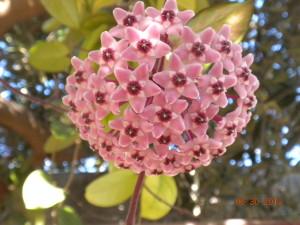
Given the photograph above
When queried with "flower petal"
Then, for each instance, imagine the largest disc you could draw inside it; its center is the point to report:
(106, 39)
(138, 8)
(207, 35)
(191, 91)
(122, 75)
(120, 95)
(119, 15)
(151, 89)
(175, 62)
(138, 104)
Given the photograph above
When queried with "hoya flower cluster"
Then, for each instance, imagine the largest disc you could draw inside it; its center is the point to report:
(158, 97)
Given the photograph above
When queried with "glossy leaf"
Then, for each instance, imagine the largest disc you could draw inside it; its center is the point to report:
(39, 193)
(54, 144)
(65, 11)
(49, 56)
(184, 4)
(67, 215)
(237, 15)
(111, 189)
(165, 188)
(201, 4)
(99, 4)
(50, 25)
(62, 130)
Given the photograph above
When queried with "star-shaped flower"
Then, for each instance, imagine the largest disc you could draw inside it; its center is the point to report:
(128, 19)
(179, 79)
(214, 86)
(145, 46)
(132, 129)
(135, 87)
(196, 47)
(165, 115)
(169, 17)
(108, 56)
(198, 117)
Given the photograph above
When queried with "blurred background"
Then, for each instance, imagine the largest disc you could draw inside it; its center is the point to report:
(45, 169)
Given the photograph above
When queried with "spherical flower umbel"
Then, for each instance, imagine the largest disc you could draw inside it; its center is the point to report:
(148, 103)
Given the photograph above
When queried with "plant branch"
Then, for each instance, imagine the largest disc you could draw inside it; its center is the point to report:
(33, 99)
(182, 211)
(73, 165)
(135, 199)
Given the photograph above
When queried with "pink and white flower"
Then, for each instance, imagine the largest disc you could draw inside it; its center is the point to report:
(156, 100)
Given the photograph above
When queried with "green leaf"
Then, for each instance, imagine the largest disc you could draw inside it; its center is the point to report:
(201, 4)
(111, 189)
(99, 4)
(50, 25)
(62, 130)
(236, 15)
(184, 4)
(49, 56)
(39, 193)
(65, 11)
(165, 188)
(54, 144)
(92, 39)
(67, 215)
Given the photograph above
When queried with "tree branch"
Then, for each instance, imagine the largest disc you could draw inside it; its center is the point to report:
(15, 11)
(21, 121)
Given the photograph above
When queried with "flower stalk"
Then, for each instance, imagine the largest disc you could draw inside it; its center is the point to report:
(131, 216)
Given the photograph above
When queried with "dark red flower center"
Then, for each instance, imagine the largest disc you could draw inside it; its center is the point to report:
(200, 118)
(198, 49)
(131, 131)
(249, 101)
(134, 87)
(230, 130)
(86, 118)
(165, 38)
(218, 88)
(164, 140)
(100, 97)
(108, 54)
(244, 74)
(200, 151)
(137, 156)
(164, 115)
(225, 47)
(79, 77)
(73, 106)
(169, 160)
(179, 79)
(168, 15)
(157, 171)
(144, 46)
(129, 20)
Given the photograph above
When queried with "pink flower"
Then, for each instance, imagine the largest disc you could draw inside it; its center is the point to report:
(196, 47)
(132, 130)
(165, 115)
(99, 95)
(198, 117)
(128, 19)
(170, 18)
(247, 82)
(145, 46)
(135, 87)
(230, 125)
(179, 80)
(154, 97)
(214, 86)
(201, 149)
(108, 56)
(164, 143)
